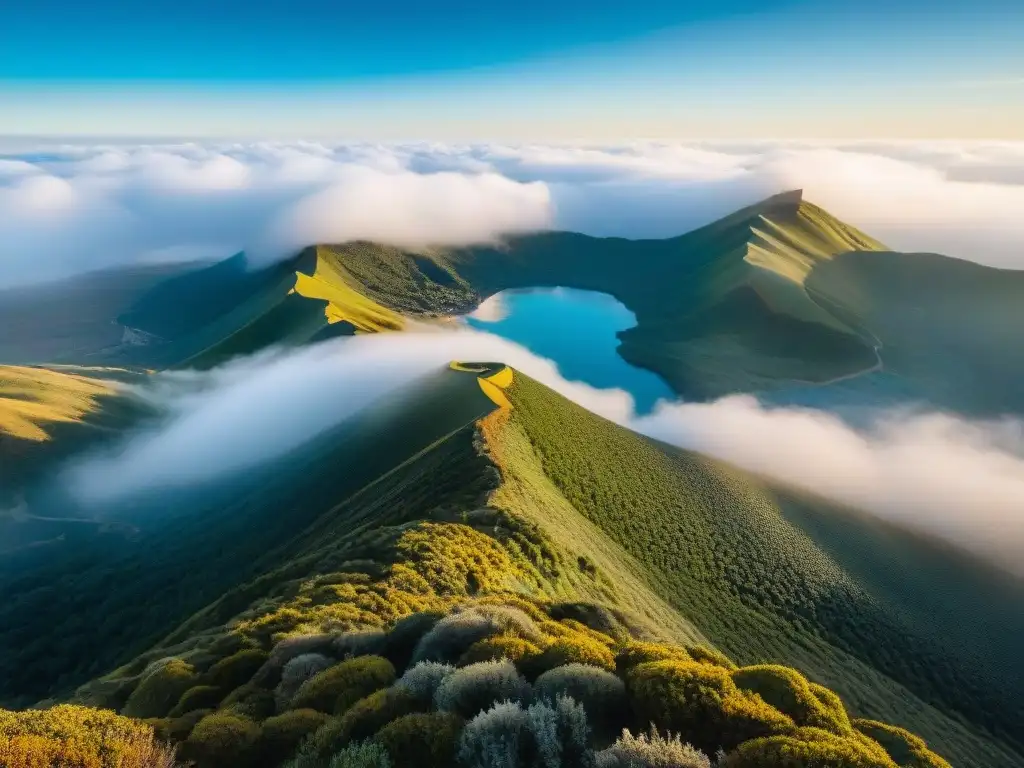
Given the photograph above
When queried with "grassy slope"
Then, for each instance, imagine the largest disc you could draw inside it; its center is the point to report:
(731, 554)
(776, 293)
(679, 546)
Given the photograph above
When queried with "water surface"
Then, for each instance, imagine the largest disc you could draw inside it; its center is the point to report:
(576, 329)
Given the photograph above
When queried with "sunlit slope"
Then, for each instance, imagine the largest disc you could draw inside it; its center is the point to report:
(767, 574)
(46, 413)
(776, 294)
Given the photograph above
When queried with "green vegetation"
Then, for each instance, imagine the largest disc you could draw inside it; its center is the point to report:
(515, 570)
(722, 547)
(78, 737)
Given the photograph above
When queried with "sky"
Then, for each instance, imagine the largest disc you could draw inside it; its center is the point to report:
(535, 70)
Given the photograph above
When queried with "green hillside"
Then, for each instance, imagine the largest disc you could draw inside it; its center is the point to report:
(597, 536)
(524, 547)
(776, 295)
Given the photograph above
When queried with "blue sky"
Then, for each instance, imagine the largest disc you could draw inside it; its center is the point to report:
(530, 70)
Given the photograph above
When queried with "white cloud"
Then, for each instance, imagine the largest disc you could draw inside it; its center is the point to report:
(935, 473)
(491, 310)
(958, 480)
(69, 208)
(254, 409)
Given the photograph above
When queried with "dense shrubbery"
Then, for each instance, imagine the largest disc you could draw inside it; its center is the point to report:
(368, 755)
(702, 703)
(468, 639)
(486, 714)
(577, 650)
(903, 747)
(471, 689)
(510, 647)
(280, 735)
(296, 672)
(78, 737)
(808, 747)
(222, 740)
(422, 680)
(235, 670)
(650, 750)
(542, 735)
(368, 715)
(160, 689)
(336, 689)
(453, 635)
(250, 700)
(602, 694)
(197, 697)
(426, 740)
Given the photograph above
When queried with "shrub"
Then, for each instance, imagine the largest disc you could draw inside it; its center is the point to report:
(179, 728)
(370, 714)
(269, 674)
(702, 703)
(367, 642)
(515, 649)
(576, 650)
(316, 750)
(595, 617)
(197, 697)
(341, 686)
(423, 679)
(160, 689)
(540, 736)
(902, 746)
(222, 739)
(651, 751)
(510, 621)
(367, 755)
(424, 740)
(806, 747)
(635, 653)
(32, 751)
(706, 655)
(235, 670)
(401, 641)
(71, 736)
(281, 734)
(471, 689)
(789, 692)
(834, 711)
(296, 672)
(250, 701)
(600, 692)
(452, 635)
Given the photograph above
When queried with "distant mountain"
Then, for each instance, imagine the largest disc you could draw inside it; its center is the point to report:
(778, 294)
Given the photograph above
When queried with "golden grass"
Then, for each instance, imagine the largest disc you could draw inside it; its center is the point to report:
(332, 283)
(31, 398)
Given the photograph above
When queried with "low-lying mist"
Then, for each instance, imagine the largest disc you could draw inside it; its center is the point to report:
(960, 480)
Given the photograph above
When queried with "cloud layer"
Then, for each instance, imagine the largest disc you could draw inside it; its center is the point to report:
(958, 480)
(67, 209)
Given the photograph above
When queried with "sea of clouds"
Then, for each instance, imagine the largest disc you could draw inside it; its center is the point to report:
(69, 209)
(66, 209)
(939, 474)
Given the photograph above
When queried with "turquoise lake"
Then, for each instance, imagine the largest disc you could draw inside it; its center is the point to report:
(576, 329)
